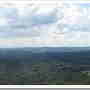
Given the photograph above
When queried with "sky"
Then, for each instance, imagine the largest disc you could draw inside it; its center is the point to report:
(76, 23)
(54, 24)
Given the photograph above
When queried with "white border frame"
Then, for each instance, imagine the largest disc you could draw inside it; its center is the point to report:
(44, 86)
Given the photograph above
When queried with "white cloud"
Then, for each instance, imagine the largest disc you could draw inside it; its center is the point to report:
(76, 25)
(67, 25)
(3, 21)
(31, 27)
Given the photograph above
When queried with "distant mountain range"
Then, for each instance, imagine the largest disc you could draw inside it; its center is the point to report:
(48, 49)
(75, 55)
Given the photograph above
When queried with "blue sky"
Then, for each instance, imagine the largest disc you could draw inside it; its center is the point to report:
(76, 24)
(66, 25)
(28, 27)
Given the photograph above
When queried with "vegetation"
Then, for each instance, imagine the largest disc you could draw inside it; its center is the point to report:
(42, 73)
(45, 66)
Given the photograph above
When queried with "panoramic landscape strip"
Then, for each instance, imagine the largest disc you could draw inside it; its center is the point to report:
(45, 42)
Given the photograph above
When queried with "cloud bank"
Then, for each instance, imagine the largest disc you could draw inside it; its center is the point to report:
(66, 25)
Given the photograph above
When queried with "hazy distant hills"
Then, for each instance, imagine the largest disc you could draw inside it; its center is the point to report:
(48, 49)
(75, 55)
